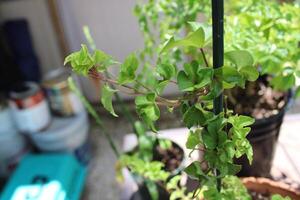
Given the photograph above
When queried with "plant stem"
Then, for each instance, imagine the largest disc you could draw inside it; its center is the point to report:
(167, 102)
(95, 115)
(218, 55)
(204, 57)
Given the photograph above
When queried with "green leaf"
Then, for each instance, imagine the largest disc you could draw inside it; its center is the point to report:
(106, 99)
(194, 77)
(148, 109)
(216, 124)
(241, 121)
(194, 138)
(210, 139)
(229, 149)
(139, 128)
(196, 116)
(240, 58)
(233, 169)
(222, 138)
(102, 60)
(128, 69)
(167, 71)
(281, 82)
(278, 197)
(169, 44)
(249, 72)
(161, 86)
(193, 39)
(81, 61)
(230, 76)
(194, 170)
(204, 77)
(184, 82)
(152, 189)
(215, 90)
(165, 143)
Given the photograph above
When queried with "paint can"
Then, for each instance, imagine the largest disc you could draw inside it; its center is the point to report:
(68, 134)
(13, 146)
(63, 101)
(29, 108)
(7, 123)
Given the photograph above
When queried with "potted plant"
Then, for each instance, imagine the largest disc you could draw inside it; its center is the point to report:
(271, 38)
(149, 146)
(221, 136)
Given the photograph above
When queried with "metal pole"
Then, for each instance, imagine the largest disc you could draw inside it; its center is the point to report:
(218, 52)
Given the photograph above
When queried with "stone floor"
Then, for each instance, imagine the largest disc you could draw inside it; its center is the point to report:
(101, 183)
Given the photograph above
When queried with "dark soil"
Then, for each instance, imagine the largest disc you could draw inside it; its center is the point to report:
(258, 99)
(172, 157)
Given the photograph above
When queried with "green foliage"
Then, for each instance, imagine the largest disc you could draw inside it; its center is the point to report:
(194, 171)
(128, 69)
(82, 61)
(272, 38)
(148, 109)
(221, 137)
(106, 99)
(165, 70)
(165, 143)
(240, 58)
(193, 39)
(194, 139)
(278, 197)
(239, 132)
(194, 77)
(145, 142)
(233, 188)
(177, 191)
(196, 116)
(152, 171)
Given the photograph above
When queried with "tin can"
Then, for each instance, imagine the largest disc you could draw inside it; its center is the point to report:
(29, 108)
(63, 102)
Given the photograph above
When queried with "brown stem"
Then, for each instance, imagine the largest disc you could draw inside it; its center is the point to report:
(204, 57)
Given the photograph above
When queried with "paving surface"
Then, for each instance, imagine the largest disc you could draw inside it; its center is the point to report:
(101, 183)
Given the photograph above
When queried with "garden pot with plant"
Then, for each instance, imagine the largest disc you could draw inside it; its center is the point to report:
(269, 31)
(220, 134)
(273, 40)
(149, 147)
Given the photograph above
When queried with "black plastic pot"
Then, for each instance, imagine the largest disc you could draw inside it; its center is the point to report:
(142, 193)
(263, 138)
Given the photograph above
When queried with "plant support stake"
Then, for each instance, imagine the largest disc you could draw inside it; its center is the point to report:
(218, 52)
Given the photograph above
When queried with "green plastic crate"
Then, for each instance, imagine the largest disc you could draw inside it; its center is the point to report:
(46, 177)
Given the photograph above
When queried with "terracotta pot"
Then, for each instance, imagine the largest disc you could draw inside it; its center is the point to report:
(264, 185)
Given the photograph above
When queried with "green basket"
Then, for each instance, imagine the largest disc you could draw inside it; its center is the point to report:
(46, 177)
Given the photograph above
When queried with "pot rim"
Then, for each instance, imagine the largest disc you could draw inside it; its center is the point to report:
(280, 114)
(182, 161)
(263, 185)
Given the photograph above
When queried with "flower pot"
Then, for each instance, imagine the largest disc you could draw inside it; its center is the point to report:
(263, 138)
(168, 157)
(132, 191)
(267, 186)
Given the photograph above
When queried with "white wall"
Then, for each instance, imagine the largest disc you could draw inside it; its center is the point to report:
(45, 42)
(112, 25)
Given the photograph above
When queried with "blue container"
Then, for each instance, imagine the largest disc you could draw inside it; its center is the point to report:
(46, 177)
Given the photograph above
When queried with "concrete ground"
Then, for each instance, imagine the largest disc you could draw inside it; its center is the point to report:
(101, 183)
